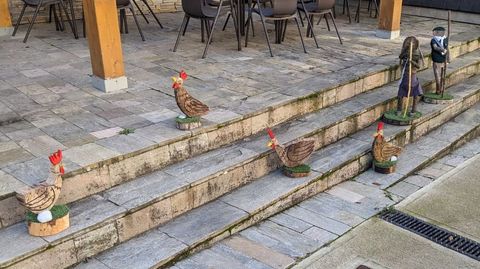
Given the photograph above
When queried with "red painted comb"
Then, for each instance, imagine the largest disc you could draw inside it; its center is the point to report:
(380, 126)
(270, 133)
(56, 157)
(183, 75)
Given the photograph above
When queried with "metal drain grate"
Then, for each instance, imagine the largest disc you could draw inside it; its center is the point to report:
(436, 234)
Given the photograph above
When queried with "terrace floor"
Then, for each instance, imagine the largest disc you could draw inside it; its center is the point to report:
(47, 101)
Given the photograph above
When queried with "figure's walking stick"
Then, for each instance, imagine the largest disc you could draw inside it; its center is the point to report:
(447, 56)
(409, 77)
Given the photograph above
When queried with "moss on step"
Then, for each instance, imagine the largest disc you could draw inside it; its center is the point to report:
(436, 96)
(187, 119)
(385, 164)
(58, 211)
(298, 169)
(392, 115)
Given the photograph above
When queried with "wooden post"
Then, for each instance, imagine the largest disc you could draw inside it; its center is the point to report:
(5, 19)
(389, 19)
(103, 35)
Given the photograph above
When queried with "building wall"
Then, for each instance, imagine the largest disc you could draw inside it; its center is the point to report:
(472, 6)
(157, 6)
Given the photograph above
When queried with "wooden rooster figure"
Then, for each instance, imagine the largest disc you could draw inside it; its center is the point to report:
(191, 107)
(294, 155)
(385, 155)
(44, 218)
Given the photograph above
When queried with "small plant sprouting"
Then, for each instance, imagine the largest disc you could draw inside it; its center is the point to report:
(127, 131)
(388, 195)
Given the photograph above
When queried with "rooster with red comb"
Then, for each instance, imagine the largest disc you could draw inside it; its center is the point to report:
(294, 155)
(385, 155)
(40, 198)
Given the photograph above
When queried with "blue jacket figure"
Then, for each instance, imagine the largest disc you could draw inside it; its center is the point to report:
(439, 46)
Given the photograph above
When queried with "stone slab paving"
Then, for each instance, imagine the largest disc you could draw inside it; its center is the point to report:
(47, 101)
(313, 224)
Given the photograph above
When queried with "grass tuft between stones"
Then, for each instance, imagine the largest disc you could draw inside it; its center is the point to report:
(436, 96)
(386, 164)
(187, 119)
(58, 211)
(298, 169)
(392, 115)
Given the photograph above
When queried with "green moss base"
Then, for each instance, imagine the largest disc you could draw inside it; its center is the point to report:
(386, 164)
(436, 96)
(187, 119)
(58, 211)
(392, 115)
(298, 169)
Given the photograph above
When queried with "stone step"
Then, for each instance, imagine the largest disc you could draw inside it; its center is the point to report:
(202, 178)
(102, 221)
(95, 167)
(292, 235)
(247, 205)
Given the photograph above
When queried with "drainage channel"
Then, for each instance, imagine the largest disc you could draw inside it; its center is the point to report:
(434, 233)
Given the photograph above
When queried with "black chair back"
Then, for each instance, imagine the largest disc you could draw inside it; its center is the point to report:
(325, 4)
(284, 7)
(194, 8)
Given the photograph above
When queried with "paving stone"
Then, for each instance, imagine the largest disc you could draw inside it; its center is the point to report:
(209, 163)
(418, 180)
(25, 134)
(242, 260)
(144, 251)
(89, 122)
(320, 235)
(403, 189)
(125, 143)
(30, 172)
(331, 212)
(202, 222)
(290, 222)
(320, 221)
(88, 154)
(331, 156)
(8, 145)
(107, 132)
(247, 197)
(24, 243)
(9, 184)
(345, 194)
(14, 156)
(40, 146)
(360, 209)
(258, 252)
(141, 190)
(382, 181)
(453, 160)
(280, 239)
(160, 115)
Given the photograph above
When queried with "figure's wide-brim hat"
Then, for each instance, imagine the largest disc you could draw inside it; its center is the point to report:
(439, 28)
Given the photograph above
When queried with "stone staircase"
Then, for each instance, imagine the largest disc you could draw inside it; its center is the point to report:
(200, 192)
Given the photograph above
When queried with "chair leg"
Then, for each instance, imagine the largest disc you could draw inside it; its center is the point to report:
(19, 19)
(202, 22)
(121, 21)
(136, 22)
(83, 23)
(234, 14)
(55, 18)
(211, 29)
(50, 13)
(348, 12)
(33, 21)
(72, 23)
(301, 18)
(74, 20)
(153, 13)
(226, 21)
(141, 11)
(186, 24)
(125, 22)
(182, 29)
(328, 25)
(246, 30)
(310, 26)
(376, 8)
(336, 30)
(319, 20)
(60, 18)
(284, 30)
(265, 30)
(300, 33)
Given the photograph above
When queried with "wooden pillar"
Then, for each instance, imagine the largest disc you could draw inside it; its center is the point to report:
(5, 19)
(389, 19)
(103, 35)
